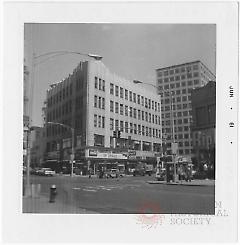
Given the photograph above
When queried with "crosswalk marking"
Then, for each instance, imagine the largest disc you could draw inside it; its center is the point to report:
(105, 188)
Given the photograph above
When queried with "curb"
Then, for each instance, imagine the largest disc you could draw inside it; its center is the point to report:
(182, 184)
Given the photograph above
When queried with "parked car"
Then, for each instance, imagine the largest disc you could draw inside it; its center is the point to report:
(161, 174)
(46, 172)
(113, 173)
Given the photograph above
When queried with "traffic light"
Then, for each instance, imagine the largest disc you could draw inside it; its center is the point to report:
(114, 134)
(119, 134)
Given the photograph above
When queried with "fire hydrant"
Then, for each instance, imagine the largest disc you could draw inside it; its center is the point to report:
(53, 193)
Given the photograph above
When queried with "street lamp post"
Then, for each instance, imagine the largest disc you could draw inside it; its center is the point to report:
(34, 58)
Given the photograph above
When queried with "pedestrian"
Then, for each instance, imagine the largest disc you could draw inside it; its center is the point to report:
(89, 173)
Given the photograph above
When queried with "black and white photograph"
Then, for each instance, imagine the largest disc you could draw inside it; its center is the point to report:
(119, 118)
(120, 122)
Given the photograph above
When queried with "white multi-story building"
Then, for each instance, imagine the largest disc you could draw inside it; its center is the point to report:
(96, 102)
(175, 83)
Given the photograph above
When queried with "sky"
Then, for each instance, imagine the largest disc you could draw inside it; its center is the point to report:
(132, 51)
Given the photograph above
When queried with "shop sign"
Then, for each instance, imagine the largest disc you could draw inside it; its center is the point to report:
(93, 153)
(131, 153)
(107, 155)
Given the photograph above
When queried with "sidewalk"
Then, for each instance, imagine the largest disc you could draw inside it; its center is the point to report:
(42, 205)
(205, 182)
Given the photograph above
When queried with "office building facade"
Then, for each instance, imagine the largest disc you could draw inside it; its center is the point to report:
(176, 83)
(95, 103)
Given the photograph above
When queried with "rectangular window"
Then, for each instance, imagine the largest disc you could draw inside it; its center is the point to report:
(130, 111)
(103, 85)
(99, 121)
(143, 130)
(116, 107)
(121, 126)
(103, 103)
(95, 101)
(134, 97)
(116, 125)
(100, 102)
(130, 95)
(196, 82)
(111, 88)
(149, 117)
(135, 128)
(116, 91)
(96, 82)
(121, 92)
(146, 131)
(111, 105)
(189, 75)
(95, 120)
(111, 123)
(139, 129)
(195, 74)
(143, 115)
(126, 94)
(103, 122)
(131, 128)
(146, 116)
(126, 127)
(134, 113)
(138, 99)
(189, 83)
(100, 84)
(121, 109)
(142, 99)
(183, 76)
(139, 115)
(126, 110)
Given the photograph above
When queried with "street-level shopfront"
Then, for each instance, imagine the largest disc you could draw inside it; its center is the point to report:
(94, 159)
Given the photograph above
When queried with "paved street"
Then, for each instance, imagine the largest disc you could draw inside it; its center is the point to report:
(126, 195)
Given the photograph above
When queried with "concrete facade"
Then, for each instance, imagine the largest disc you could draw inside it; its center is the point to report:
(176, 84)
(96, 102)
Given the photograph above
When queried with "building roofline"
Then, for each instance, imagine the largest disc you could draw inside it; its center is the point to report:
(187, 63)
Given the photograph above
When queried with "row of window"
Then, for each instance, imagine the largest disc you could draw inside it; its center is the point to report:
(99, 84)
(179, 85)
(99, 121)
(133, 97)
(178, 121)
(178, 114)
(99, 102)
(65, 109)
(133, 128)
(177, 99)
(61, 95)
(134, 113)
(177, 70)
(177, 78)
(179, 107)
